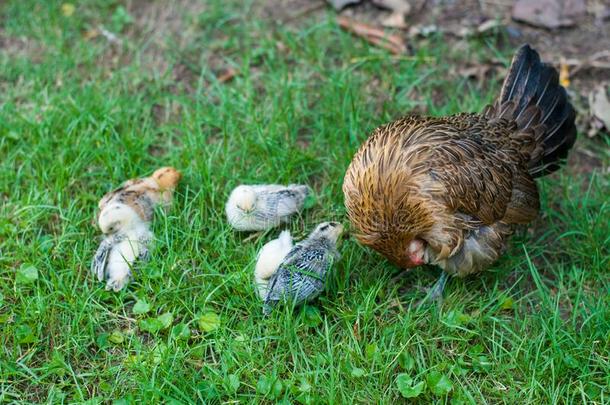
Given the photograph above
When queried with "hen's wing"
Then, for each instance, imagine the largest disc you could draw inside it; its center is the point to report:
(479, 170)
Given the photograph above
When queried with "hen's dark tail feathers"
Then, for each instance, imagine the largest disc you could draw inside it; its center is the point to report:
(533, 98)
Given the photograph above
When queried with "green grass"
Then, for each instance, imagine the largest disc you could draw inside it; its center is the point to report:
(78, 116)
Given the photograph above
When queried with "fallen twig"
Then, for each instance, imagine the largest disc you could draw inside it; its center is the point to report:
(253, 236)
(392, 43)
(110, 36)
(427, 59)
(227, 75)
(592, 61)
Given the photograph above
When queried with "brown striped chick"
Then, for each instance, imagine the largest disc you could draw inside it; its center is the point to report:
(124, 218)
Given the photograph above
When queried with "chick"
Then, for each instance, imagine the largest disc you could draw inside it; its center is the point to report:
(124, 218)
(269, 259)
(261, 207)
(302, 275)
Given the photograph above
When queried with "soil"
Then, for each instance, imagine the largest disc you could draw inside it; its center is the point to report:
(589, 35)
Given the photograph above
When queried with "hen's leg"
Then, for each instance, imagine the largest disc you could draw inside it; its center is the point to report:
(436, 292)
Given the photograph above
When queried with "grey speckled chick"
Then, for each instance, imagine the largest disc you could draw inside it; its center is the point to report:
(261, 207)
(302, 275)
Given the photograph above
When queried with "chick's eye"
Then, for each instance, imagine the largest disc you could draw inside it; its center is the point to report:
(325, 227)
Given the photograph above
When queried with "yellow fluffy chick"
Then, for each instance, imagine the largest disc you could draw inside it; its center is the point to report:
(264, 206)
(269, 259)
(124, 218)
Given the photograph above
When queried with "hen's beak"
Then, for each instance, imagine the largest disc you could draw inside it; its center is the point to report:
(416, 252)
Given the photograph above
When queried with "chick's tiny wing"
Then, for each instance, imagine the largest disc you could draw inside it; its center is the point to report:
(289, 284)
(301, 276)
(98, 264)
(288, 202)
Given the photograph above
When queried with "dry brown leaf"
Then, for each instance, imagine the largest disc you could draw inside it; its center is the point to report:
(341, 4)
(399, 8)
(376, 36)
(486, 27)
(549, 13)
(91, 34)
(599, 106)
(489, 25)
(356, 330)
(227, 75)
(395, 20)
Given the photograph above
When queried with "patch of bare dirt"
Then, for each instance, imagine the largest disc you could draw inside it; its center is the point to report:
(20, 47)
(588, 36)
(288, 11)
(572, 47)
(160, 28)
(580, 50)
(155, 38)
(583, 160)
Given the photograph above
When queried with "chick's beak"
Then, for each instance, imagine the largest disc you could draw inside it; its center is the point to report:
(246, 208)
(337, 229)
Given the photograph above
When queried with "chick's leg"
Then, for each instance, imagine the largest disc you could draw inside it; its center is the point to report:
(120, 261)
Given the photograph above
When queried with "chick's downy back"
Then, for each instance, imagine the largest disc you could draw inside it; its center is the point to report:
(143, 194)
(302, 274)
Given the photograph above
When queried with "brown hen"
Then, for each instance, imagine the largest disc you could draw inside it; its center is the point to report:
(450, 190)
